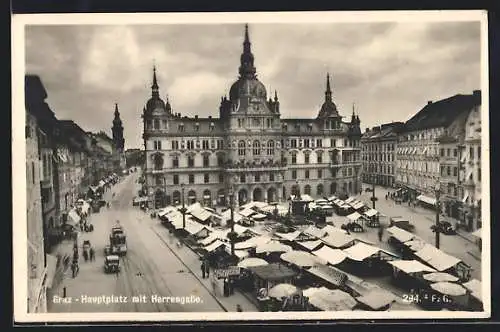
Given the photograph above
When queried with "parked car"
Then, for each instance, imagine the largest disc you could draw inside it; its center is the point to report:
(368, 190)
(445, 227)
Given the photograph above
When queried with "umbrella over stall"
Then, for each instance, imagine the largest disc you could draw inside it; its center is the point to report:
(440, 277)
(283, 290)
(272, 247)
(302, 258)
(252, 261)
(448, 288)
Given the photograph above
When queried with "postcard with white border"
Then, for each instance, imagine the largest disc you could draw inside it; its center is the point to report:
(251, 166)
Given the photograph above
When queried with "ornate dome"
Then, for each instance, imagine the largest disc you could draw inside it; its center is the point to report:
(155, 103)
(251, 87)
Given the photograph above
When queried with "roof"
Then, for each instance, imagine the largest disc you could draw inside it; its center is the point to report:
(437, 258)
(411, 266)
(360, 251)
(337, 239)
(274, 271)
(333, 276)
(310, 245)
(332, 256)
(388, 130)
(377, 299)
(443, 112)
(400, 234)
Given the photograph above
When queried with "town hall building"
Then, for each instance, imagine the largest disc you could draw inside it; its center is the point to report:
(248, 150)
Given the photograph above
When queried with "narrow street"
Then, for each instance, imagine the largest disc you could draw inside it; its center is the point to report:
(423, 219)
(150, 269)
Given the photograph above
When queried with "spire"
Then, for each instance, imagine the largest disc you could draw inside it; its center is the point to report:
(117, 121)
(247, 68)
(275, 95)
(353, 118)
(154, 87)
(117, 113)
(328, 92)
(168, 107)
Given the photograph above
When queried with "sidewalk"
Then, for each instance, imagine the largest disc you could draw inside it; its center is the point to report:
(192, 262)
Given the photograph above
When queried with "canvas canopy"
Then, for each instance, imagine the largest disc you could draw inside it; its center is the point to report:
(436, 258)
(377, 299)
(252, 261)
(338, 240)
(259, 216)
(426, 199)
(226, 215)
(193, 207)
(411, 266)
(332, 300)
(440, 277)
(361, 251)
(273, 246)
(253, 242)
(247, 212)
(301, 258)
(214, 246)
(315, 231)
(449, 288)
(293, 236)
(400, 234)
(330, 274)
(201, 214)
(332, 256)
(371, 213)
(354, 216)
(310, 245)
(357, 205)
(474, 286)
(254, 204)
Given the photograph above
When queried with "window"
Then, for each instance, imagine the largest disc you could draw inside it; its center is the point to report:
(271, 177)
(220, 144)
(319, 143)
(306, 158)
(455, 171)
(319, 190)
(333, 143)
(176, 179)
(221, 178)
(206, 178)
(191, 178)
(220, 160)
(471, 153)
(319, 157)
(241, 148)
(181, 127)
(479, 174)
(306, 174)
(293, 143)
(197, 127)
(164, 124)
(448, 170)
(447, 152)
(190, 145)
(157, 145)
(175, 162)
(175, 145)
(158, 160)
(205, 144)
(455, 152)
(269, 123)
(256, 148)
(33, 172)
(294, 174)
(294, 157)
(257, 178)
(478, 152)
(441, 152)
(156, 124)
(149, 124)
(320, 173)
(190, 161)
(270, 148)
(307, 143)
(242, 178)
(205, 161)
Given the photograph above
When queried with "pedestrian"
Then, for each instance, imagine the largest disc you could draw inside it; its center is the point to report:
(380, 233)
(203, 269)
(226, 287)
(85, 255)
(214, 285)
(92, 254)
(207, 268)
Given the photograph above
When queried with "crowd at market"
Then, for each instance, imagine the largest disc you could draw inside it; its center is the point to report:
(319, 265)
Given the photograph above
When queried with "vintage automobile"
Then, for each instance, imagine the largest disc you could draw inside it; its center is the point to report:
(111, 264)
(368, 190)
(352, 227)
(445, 227)
(402, 223)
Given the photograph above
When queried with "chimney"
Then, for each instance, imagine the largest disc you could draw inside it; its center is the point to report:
(210, 117)
(429, 102)
(367, 130)
(196, 117)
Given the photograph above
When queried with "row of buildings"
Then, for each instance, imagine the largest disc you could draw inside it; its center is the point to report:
(437, 151)
(62, 162)
(248, 151)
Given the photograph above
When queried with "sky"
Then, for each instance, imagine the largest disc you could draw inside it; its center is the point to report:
(386, 71)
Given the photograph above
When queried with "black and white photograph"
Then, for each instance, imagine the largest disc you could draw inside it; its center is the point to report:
(251, 166)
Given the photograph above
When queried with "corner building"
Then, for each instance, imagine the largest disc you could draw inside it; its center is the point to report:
(249, 149)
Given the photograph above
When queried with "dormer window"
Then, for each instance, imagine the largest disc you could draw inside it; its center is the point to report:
(197, 127)
(309, 127)
(285, 127)
(181, 127)
(156, 124)
(212, 126)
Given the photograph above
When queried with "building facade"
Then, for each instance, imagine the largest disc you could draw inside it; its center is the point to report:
(429, 147)
(37, 301)
(47, 131)
(249, 150)
(378, 154)
(470, 174)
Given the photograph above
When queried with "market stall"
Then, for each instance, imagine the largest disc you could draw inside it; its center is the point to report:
(474, 287)
(331, 256)
(443, 262)
(265, 277)
(339, 240)
(367, 259)
(324, 299)
(376, 300)
(407, 274)
(301, 259)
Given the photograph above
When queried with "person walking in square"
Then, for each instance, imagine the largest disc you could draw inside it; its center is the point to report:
(380, 233)
(203, 269)
(92, 254)
(207, 269)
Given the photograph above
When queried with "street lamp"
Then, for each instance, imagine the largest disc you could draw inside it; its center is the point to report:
(183, 209)
(231, 207)
(437, 190)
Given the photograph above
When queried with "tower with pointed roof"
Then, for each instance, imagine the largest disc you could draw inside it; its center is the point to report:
(118, 141)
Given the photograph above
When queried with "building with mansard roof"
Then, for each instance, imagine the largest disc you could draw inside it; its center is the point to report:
(249, 149)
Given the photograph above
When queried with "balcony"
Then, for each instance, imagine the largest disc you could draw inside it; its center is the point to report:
(264, 166)
(183, 169)
(338, 164)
